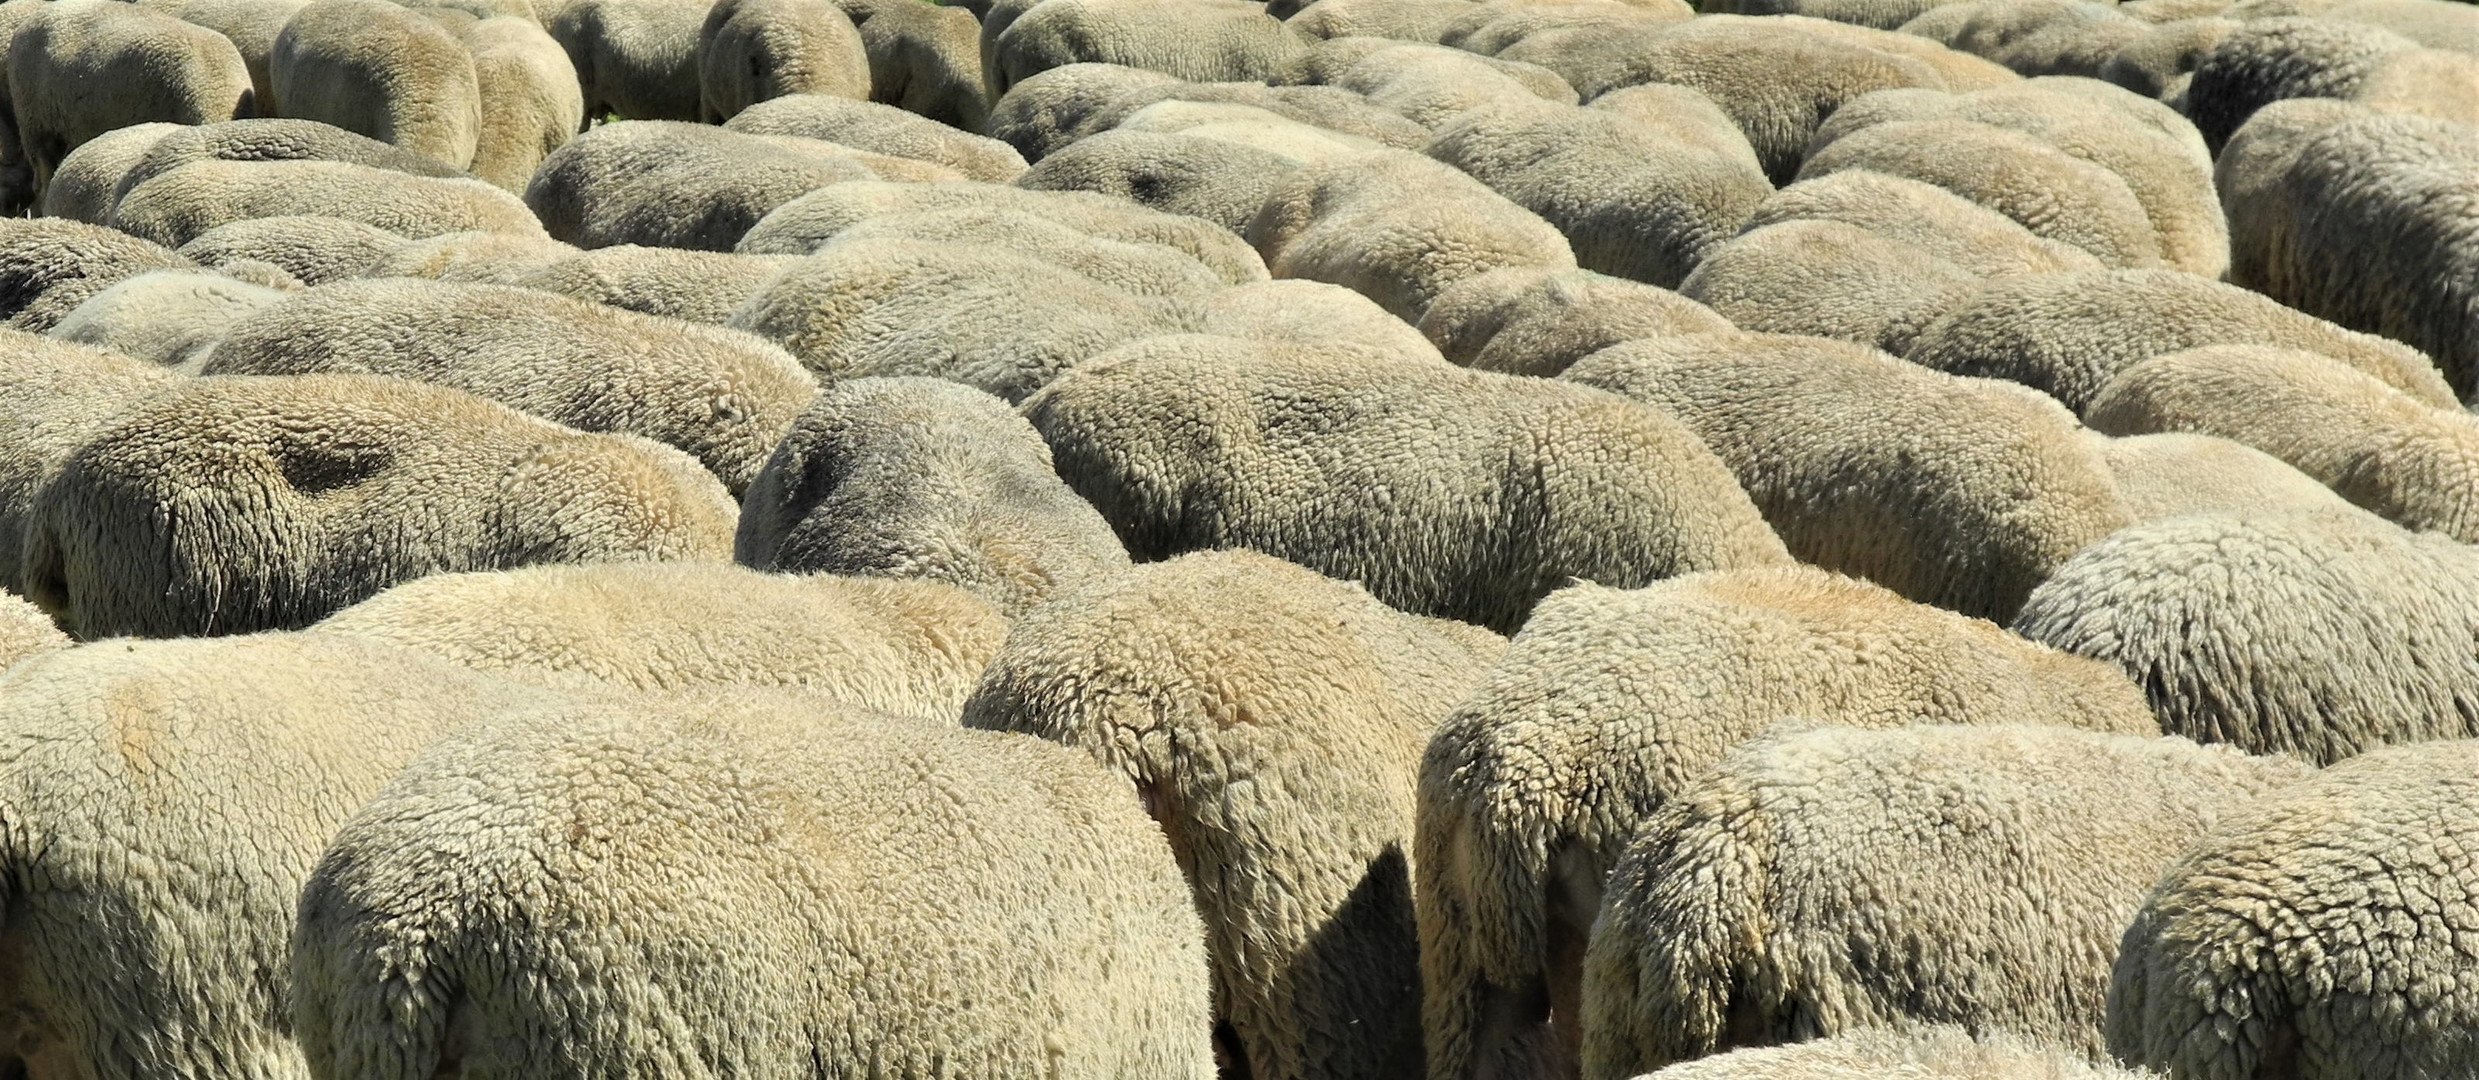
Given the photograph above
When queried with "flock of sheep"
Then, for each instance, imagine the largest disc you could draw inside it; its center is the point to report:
(1165, 539)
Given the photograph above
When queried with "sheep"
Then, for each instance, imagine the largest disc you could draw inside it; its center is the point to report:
(754, 50)
(48, 266)
(177, 206)
(487, 258)
(923, 479)
(2169, 176)
(1882, 14)
(1430, 85)
(1400, 20)
(695, 286)
(2173, 473)
(313, 248)
(1272, 719)
(60, 395)
(1633, 200)
(881, 129)
(1823, 278)
(1447, 492)
(793, 887)
(1398, 228)
(2047, 37)
(251, 26)
(904, 648)
(2048, 191)
(2266, 60)
(1523, 320)
(1961, 493)
(1922, 1053)
(2322, 933)
(329, 488)
(1973, 237)
(635, 59)
(924, 59)
(78, 70)
(1806, 885)
(2161, 63)
(1140, 269)
(1040, 114)
(2321, 635)
(166, 802)
(1309, 313)
(800, 226)
(1776, 80)
(1175, 172)
(2414, 464)
(531, 103)
(1195, 40)
(1245, 125)
(86, 183)
(2307, 231)
(273, 140)
(2067, 335)
(25, 631)
(1490, 28)
(380, 70)
(1603, 709)
(167, 317)
(666, 184)
(1961, 72)
(725, 398)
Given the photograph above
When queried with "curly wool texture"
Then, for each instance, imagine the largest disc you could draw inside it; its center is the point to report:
(723, 397)
(2161, 63)
(905, 648)
(2067, 335)
(251, 26)
(757, 50)
(1530, 321)
(1962, 493)
(315, 249)
(2372, 222)
(1069, 104)
(77, 71)
(749, 885)
(1447, 492)
(381, 70)
(2175, 473)
(1926, 1053)
(1633, 199)
(1174, 172)
(177, 206)
(273, 140)
(1038, 115)
(1231, 124)
(2268, 60)
(1273, 721)
(924, 59)
(86, 183)
(531, 104)
(2413, 463)
(1806, 885)
(1398, 228)
(2167, 172)
(1936, 221)
(168, 317)
(321, 490)
(1604, 708)
(1000, 321)
(2317, 635)
(1195, 40)
(2048, 191)
(923, 479)
(635, 59)
(693, 286)
(1139, 269)
(482, 258)
(1822, 278)
(800, 226)
(881, 129)
(166, 801)
(2047, 37)
(1775, 85)
(25, 631)
(2320, 935)
(60, 395)
(1429, 85)
(1309, 313)
(665, 184)
(49, 266)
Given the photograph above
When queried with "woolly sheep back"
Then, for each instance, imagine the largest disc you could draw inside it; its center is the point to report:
(1138, 268)
(2048, 191)
(693, 286)
(1925, 216)
(800, 226)
(1807, 885)
(1446, 492)
(790, 887)
(1823, 278)
(2175, 473)
(48, 266)
(1929, 1053)
(60, 395)
(87, 182)
(2256, 629)
(1525, 320)
(313, 248)
(1272, 720)
(905, 648)
(177, 206)
(1606, 705)
(2320, 932)
(381, 70)
(750, 51)
(881, 129)
(168, 317)
(1195, 40)
(303, 494)
(25, 631)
